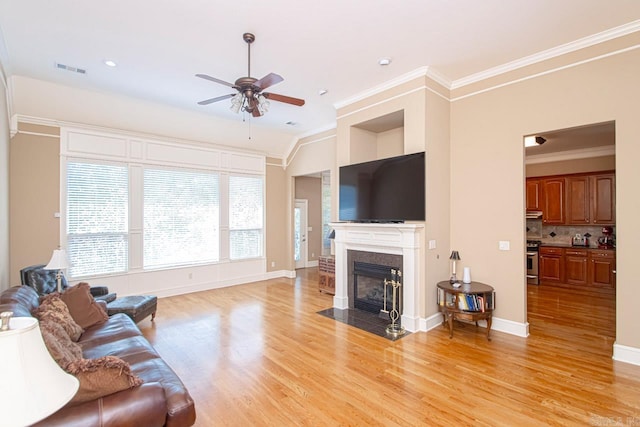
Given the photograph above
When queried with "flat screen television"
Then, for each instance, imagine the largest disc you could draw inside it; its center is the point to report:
(386, 190)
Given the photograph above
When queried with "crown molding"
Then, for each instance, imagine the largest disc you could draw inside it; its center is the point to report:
(390, 84)
(585, 153)
(573, 46)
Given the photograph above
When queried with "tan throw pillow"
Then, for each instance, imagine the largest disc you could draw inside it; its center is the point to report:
(101, 377)
(62, 349)
(83, 308)
(52, 308)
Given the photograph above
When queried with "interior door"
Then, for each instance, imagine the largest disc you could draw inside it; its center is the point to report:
(300, 244)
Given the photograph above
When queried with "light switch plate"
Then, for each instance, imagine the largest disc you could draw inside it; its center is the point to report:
(432, 244)
(504, 245)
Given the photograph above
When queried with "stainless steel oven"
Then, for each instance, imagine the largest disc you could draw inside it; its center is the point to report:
(532, 262)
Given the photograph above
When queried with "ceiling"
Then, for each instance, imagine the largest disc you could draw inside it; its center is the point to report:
(335, 45)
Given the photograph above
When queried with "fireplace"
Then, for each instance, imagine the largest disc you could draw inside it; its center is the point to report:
(367, 272)
(404, 241)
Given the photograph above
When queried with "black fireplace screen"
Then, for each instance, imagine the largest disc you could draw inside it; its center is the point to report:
(368, 283)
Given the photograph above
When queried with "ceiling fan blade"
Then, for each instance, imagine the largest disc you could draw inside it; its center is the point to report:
(268, 80)
(282, 98)
(216, 99)
(213, 79)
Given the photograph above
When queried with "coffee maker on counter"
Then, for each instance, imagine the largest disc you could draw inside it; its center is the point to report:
(606, 241)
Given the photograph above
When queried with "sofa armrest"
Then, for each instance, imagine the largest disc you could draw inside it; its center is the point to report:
(98, 291)
(140, 406)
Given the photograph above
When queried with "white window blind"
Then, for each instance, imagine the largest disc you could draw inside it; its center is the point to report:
(97, 218)
(181, 217)
(246, 213)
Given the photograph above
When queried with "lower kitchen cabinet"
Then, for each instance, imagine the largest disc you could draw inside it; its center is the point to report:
(602, 268)
(551, 265)
(577, 266)
(576, 263)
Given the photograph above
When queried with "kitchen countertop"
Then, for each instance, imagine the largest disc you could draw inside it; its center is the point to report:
(569, 245)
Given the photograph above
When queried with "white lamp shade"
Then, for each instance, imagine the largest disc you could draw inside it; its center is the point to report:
(58, 261)
(32, 385)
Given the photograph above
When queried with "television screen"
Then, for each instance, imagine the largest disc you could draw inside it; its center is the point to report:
(386, 190)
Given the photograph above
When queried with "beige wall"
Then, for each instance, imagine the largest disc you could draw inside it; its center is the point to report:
(593, 164)
(426, 128)
(488, 167)
(311, 155)
(34, 196)
(4, 186)
(310, 189)
(276, 212)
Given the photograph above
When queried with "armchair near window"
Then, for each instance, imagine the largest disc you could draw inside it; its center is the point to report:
(45, 282)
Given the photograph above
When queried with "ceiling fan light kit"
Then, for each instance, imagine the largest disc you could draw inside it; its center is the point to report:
(249, 96)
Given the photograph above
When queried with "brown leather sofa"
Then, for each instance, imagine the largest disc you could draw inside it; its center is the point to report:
(162, 399)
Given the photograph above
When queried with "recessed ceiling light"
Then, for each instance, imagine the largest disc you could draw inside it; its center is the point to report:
(322, 92)
(110, 63)
(384, 61)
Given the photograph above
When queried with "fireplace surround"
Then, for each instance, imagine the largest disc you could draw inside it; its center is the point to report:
(403, 239)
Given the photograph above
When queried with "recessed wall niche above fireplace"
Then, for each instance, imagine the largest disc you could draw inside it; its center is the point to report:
(403, 240)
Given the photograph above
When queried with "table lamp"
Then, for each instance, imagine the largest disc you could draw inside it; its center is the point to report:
(58, 261)
(33, 386)
(455, 256)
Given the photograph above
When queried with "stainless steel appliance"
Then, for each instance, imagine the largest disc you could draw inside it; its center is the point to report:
(532, 262)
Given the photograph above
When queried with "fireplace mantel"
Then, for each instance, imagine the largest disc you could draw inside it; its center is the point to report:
(404, 239)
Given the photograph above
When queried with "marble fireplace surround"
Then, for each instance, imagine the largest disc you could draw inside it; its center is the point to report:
(399, 239)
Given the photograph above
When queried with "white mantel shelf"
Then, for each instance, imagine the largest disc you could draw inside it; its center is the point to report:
(404, 239)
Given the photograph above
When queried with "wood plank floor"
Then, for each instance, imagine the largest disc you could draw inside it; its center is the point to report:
(258, 354)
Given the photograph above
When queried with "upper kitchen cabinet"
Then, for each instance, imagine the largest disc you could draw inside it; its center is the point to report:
(534, 196)
(603, 198)
(553, 195)
(591, 199)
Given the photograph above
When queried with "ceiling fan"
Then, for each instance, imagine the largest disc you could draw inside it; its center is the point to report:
(249, 96)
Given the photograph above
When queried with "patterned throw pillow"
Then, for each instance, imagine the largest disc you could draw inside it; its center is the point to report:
(83, 308)
(101, 377)
(52, 308)
(62, 349)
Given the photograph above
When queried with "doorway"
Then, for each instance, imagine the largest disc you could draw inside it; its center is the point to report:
(568, 169)
(300, 227)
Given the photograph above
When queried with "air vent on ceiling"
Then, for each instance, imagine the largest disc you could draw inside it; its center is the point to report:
(70, 68)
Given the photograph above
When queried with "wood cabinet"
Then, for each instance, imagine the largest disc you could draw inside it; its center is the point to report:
(602, 268)
(576, 266)
(327, 274)
(603, 199)
(590, 199)
(534, 194)
(551, 265)
(578, 200)
(553, 201)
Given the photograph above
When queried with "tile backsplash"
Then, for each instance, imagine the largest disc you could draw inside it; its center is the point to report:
(562, 234)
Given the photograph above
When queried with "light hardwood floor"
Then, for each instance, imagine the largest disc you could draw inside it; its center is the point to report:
(258, 354)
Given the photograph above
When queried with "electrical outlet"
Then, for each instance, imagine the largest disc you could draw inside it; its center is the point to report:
(313, 255)
(504, 245)
(190, 276)
(273, 263)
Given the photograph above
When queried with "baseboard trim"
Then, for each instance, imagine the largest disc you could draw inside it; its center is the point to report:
(626, 354)
(497, 324)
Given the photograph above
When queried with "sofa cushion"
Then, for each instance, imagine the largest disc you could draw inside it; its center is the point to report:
(83, 308)
(101, 377)
(52, 308)
(62, 349)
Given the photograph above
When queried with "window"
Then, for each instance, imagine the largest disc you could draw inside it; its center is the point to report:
(181, 217)
(97, 218)
(246, 213)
